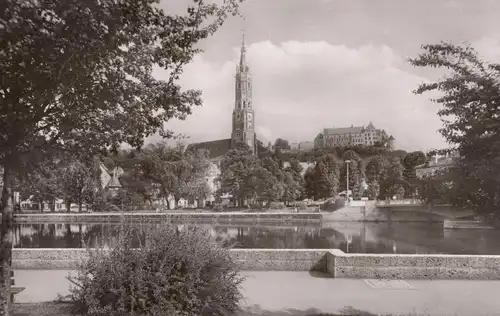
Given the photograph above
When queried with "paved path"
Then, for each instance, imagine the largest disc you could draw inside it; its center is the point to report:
(299, 293)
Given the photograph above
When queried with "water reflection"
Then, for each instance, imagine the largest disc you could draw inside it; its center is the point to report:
(349, 237)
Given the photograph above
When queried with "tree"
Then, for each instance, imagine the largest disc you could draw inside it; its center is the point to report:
(194, 184)
(281, 144)
(410, 162)
(440, 187)
(294, 181)
(391, 181)
(292, 188)
(384, 175)
(326, 177)
(375, 168)
(355, 172)
(310, 183)
(178, 174)
(41, 184)
(236, 168)
(373, 190)
(264, 186)
(77, 75)
(78, 183)
(469, 101)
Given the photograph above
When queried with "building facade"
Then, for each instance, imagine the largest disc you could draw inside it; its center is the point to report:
(305, 146)
(353, 136)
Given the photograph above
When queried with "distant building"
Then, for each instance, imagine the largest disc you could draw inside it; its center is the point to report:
(437, 163)
(243, 128)
(301, 146)
(304, 146)
(110, 179)
(353, 136)
(243, 124)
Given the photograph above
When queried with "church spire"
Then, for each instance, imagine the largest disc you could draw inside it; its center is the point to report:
(243, 60)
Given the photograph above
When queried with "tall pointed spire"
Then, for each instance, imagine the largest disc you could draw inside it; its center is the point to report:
(243, 60)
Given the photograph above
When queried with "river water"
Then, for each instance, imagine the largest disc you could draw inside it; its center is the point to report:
(405, 238)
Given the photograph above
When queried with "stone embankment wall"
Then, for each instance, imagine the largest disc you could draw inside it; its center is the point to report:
(334, 262)
(284, 217)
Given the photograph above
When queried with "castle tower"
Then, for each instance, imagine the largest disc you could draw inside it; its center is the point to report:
(243, 114)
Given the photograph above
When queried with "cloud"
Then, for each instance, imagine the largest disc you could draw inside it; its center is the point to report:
(299, 88)
(488, 48)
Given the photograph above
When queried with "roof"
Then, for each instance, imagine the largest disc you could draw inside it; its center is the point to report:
(216, 148)
(344, 130)
(114, 183)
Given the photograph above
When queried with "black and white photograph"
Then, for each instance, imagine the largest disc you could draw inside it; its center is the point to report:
(249, 157)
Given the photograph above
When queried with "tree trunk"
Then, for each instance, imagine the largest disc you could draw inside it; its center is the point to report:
(68, 205)
(165, 196)
(6, 244)
(53, 205)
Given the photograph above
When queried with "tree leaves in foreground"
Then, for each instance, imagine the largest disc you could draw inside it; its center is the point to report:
(470, 110)
(78, 76)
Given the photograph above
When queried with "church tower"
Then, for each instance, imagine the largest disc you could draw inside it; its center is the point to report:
(243, 114)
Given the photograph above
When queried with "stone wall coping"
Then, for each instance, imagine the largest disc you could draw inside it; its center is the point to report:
(235, 250)
(390, 255)
(167, 214)
(334, 252)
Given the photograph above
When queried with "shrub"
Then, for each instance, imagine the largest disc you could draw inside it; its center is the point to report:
(277, 205)
(332, 205)
(218, 207)
(300, 205)
(177, 273)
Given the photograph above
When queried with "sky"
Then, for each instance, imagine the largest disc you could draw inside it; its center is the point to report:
(332, 63)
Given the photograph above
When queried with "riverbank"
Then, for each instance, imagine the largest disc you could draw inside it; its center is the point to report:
(201, 217)
(353, 213)
(289, 293)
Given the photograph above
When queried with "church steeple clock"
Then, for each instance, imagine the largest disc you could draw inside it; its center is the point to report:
(243, 114)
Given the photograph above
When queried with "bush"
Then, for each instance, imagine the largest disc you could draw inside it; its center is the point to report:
(332, 205)
(300, 205)
(277, 205)
(177, 273)
(218, 207)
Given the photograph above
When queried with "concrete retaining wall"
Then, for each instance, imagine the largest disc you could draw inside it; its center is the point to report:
(282, 217)
(335, 262)
(389, 266)
(465, 224)
(247, 259)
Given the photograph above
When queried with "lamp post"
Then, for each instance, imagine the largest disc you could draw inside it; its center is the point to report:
(347, 162)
